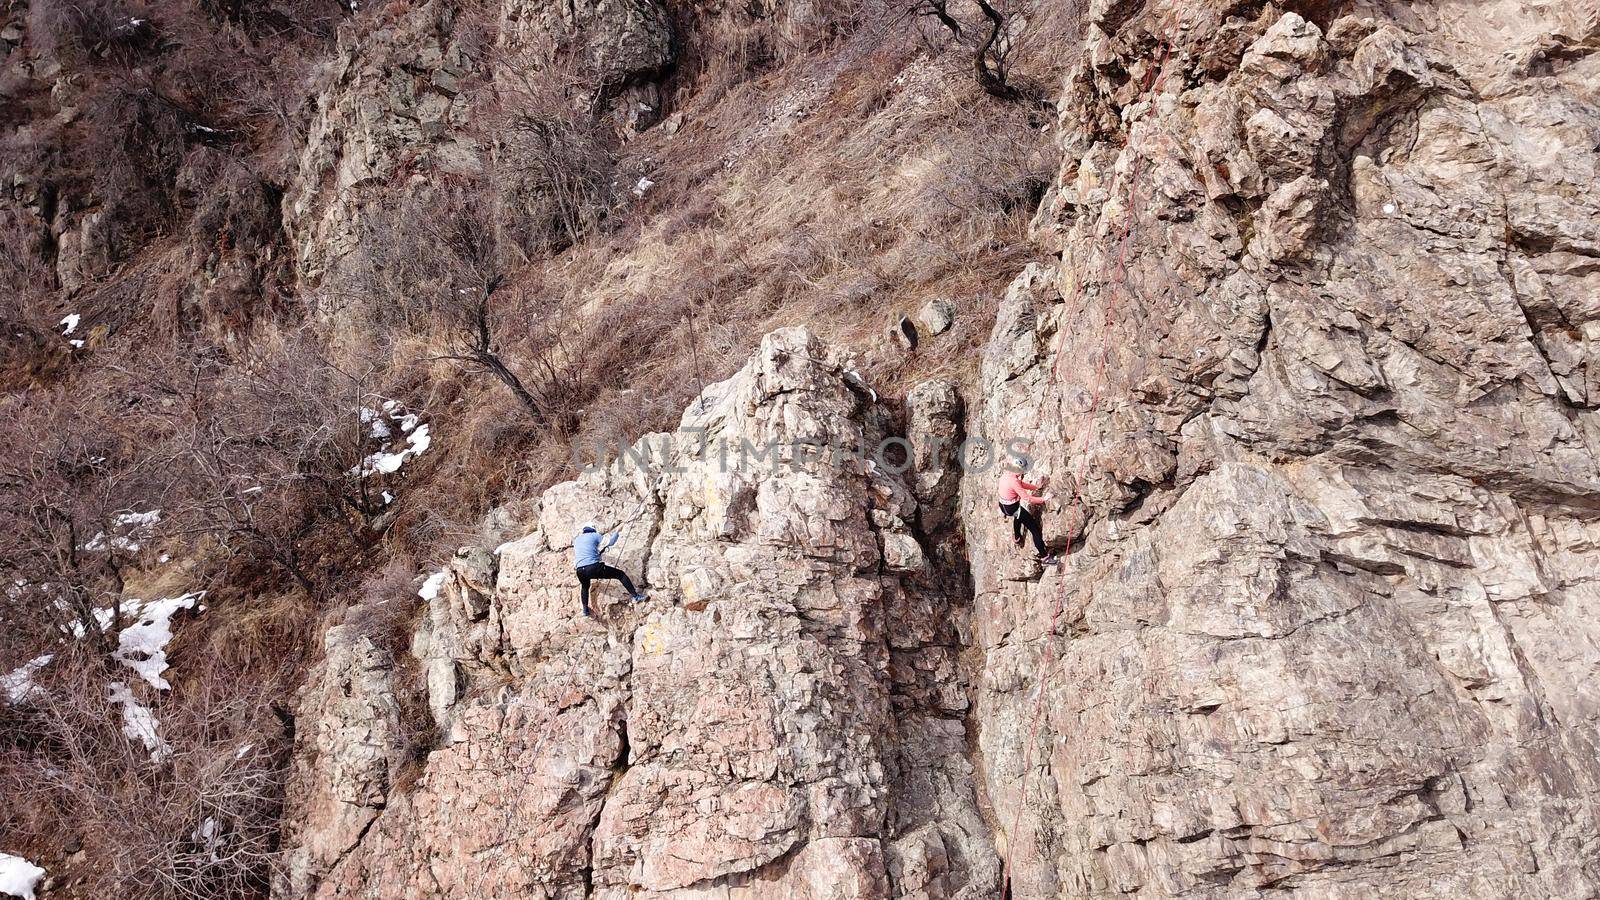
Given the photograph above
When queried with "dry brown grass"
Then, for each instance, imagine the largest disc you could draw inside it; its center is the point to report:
(835, 190)
(880, 197)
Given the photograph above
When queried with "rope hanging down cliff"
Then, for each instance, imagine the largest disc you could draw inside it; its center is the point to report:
(1153, 80)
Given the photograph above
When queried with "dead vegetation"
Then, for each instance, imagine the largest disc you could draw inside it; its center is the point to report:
(199, 822)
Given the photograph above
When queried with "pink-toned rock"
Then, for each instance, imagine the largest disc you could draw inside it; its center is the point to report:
(1323, 630)
(748, 732)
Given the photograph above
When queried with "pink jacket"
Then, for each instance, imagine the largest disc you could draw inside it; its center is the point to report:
(1013, 489)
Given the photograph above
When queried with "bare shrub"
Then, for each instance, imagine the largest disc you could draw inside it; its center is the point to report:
(1048, 46)
(79, 498)
(726, 45)
(30, 340)
(234, 232)
(90, 32)
(553, 165)
(273, 460)
(133, 141)
(198, 820)
(460, 288)
(386, 608)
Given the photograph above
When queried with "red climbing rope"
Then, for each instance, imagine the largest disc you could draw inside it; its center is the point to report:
(1153, 81)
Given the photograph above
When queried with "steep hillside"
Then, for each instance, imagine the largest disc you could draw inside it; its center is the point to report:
(297, 293)
(1291, 305)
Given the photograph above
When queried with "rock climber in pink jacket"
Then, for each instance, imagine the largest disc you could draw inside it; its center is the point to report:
(1017, 499)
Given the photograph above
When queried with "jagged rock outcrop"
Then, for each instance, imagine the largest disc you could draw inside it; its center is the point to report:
(387, 115)
(506, 97)
(784, 718)
(1318, 351)
(619, 48)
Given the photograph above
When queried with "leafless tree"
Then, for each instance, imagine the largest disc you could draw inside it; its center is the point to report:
(272, 457)
(199, 819)
(78, 503)
(989, 40)
(554, 168)
(466, 284)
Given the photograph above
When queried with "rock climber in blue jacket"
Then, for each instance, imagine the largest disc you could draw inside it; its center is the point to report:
(586, 550)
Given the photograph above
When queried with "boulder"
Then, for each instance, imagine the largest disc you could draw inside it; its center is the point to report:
(936, 316)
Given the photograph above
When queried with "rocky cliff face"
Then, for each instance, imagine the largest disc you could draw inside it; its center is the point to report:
(1318, 355)
(784, 718)
(1311, 366)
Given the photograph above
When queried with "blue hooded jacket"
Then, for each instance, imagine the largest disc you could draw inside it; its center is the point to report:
(586, 547)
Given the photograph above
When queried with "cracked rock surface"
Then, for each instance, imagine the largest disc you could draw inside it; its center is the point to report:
(1309, 363)
(1318, 354)
(782, 718)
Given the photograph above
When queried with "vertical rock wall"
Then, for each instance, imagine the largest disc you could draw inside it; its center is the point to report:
(1318, 354)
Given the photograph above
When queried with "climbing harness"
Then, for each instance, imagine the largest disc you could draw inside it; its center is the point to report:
(1152, 83)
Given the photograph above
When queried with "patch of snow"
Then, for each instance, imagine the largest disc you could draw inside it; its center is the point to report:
(420, 440)
(387, 461)
(137, 519)
(374, 421)
(430, 588)
(388, 498)
(76, 344)
(644, 184)
(139, 723)
(18, 877)
(127, 526)
(70, 323)
(18, 685)
(103, 616)
(209, 835)
(142, 646)
(164, 558)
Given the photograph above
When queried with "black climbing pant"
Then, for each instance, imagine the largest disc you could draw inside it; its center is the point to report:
(601, 571)
(1024, 518)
